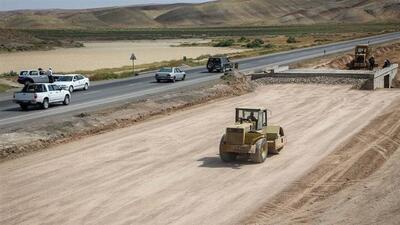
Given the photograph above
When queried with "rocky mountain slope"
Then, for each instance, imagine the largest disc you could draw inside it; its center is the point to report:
(217, 13)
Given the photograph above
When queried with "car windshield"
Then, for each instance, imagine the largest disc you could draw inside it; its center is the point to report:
(361, 50)
(215, 60)
(64, 78)
(166, 70)
(34, 88)
(23, 73)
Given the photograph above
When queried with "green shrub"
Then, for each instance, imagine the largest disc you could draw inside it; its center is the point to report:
(243, 39)
(187, 44)
(256, 43)
(322, 40)
(9, 74)
(203, 57)
(224, 43)
(291, 40)
(269, 45)
(110, 75)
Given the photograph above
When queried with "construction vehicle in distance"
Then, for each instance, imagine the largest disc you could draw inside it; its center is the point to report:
(363, 58)
(251, 136)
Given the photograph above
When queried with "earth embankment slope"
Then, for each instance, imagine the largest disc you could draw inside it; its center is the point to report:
(167, 170)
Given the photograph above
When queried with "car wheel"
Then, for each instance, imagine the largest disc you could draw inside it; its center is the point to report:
(184, 77)
(210, 70)
(45, 104)
(173, 80)
(158, 81)
(66, 100)
(27, 82)
(86, 87)
(71, 89)
(23, 106)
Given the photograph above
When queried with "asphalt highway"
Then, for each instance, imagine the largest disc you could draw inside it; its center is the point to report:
(103, 94)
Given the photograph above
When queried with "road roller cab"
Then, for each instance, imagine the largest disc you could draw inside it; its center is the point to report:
(251, 135)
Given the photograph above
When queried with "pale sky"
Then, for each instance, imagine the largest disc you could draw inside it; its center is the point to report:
(6, 5)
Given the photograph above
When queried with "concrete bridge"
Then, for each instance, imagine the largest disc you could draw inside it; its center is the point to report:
(374, 79)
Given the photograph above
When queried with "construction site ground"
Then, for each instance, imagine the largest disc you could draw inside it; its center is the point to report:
(167, 170)
(359, 182)
(340, 166)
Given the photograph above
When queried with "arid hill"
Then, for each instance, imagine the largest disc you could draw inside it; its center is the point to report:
(218, 13)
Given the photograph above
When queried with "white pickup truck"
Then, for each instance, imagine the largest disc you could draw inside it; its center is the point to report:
(42, 95)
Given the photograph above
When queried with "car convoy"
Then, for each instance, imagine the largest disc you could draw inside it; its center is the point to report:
(44, 89)
(219, 64)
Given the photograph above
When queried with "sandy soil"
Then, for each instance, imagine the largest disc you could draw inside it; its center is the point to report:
(97, 55)
(167, 170)
(358, 183)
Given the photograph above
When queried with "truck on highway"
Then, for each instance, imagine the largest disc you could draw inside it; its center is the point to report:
(220, 64)
(41, 94)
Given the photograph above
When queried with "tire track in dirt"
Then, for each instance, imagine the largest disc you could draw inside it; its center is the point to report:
(356, 159)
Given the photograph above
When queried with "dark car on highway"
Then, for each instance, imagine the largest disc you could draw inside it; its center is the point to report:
(219, 64)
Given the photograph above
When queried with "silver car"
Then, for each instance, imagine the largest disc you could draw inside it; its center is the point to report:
(170, 74)
(73, 82)
(32, 76)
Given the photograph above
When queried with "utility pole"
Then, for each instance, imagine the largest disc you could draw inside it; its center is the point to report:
(133, 58)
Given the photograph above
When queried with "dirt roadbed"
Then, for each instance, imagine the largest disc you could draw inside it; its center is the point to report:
(358, 183)
(167, 170)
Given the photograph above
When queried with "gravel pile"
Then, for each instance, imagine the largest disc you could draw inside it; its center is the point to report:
(355, 83)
